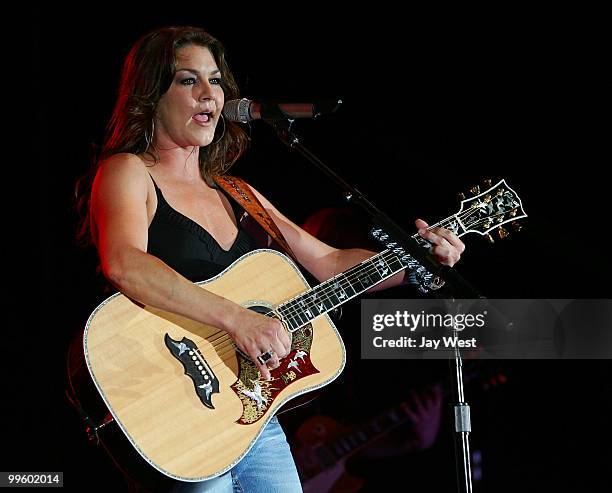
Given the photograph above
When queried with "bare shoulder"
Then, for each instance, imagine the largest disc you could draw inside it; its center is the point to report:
(122, 174)
(124, 168)
(119, 199)
(121, 182)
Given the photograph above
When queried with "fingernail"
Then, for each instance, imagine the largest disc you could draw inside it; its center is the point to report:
(422, 231)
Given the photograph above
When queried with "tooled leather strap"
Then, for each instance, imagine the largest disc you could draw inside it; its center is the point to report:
(243, 194)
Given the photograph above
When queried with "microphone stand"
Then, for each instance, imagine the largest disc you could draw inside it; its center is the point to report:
(462, 289)
(463, 425)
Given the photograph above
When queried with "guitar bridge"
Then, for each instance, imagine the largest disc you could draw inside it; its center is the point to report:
(196, 367)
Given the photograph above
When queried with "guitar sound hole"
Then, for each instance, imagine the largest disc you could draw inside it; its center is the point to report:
(264, 310)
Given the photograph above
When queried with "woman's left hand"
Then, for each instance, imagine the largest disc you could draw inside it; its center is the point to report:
(447, 247)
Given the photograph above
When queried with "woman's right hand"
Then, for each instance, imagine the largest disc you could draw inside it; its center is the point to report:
(255, 334)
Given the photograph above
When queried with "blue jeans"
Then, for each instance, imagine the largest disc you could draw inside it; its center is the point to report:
(268, 467)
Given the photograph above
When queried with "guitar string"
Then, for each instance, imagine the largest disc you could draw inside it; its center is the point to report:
(224, 341)
(229, 348)
(350, 276)
(360, 271)
(463, 218)
(228, 343)
(293, 312)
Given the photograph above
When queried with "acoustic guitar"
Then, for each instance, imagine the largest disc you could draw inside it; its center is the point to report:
(188, 400)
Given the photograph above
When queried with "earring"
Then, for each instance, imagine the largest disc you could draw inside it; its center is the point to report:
(222, 133)
(149, 136)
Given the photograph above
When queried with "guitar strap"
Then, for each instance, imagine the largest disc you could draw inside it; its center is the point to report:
(242, 193)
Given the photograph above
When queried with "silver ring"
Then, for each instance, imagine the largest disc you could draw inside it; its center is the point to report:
(263, 358)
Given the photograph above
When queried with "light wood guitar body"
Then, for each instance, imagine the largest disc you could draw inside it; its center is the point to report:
(162, 410)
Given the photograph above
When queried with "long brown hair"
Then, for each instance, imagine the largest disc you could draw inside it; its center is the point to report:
(148, 71)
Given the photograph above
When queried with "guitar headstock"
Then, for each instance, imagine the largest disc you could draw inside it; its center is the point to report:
(482, 213)
(489, 210)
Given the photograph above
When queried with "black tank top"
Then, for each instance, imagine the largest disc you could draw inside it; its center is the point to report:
(187, 247)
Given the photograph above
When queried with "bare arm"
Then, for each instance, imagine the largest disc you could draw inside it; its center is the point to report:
(324, 261)
(119, 215)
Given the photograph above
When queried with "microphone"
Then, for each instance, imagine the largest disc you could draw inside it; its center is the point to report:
(244, 110)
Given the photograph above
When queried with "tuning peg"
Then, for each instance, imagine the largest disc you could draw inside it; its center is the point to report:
(461, 196)
(486, 183)
(475, 190)
(502, 233)
(489, 238)
(516, 226)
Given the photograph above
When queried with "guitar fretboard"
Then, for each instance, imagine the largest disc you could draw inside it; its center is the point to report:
(299, 311)
(346, 444)
(332, 293)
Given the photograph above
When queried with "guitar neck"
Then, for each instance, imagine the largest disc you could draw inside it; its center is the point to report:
(480, 214)
(364, 434)
(336, 291)
(361, 435)
(358, 437)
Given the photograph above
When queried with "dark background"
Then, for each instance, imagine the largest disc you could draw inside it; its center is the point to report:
(433, 102)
